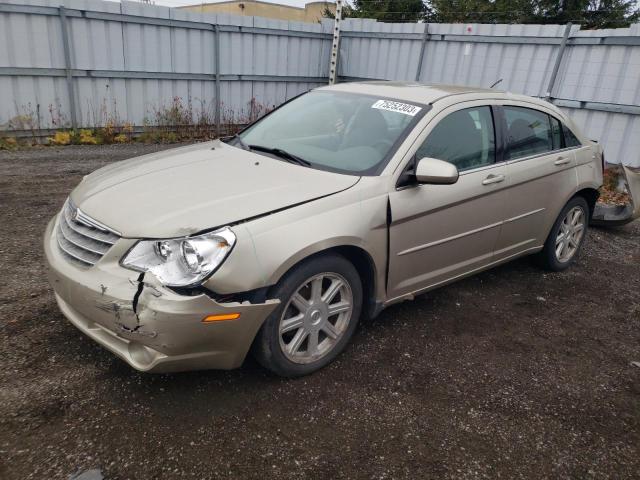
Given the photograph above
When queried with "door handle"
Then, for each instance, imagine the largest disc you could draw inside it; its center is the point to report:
(562, 161)
(493, 179)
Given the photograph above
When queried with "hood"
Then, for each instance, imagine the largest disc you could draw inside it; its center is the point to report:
(186, 190)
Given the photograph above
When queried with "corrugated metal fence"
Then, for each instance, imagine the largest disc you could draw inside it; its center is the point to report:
(594, 75)
(88, 61)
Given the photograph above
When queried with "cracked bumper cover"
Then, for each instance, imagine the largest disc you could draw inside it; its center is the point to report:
(166, 332)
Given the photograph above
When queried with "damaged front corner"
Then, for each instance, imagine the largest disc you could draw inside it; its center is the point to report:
(138, 308)
(154, 328)
(123, 313)
(138, 330)
(136, 296)
(117, 308)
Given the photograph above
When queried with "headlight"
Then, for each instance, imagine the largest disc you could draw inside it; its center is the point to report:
(181, 262)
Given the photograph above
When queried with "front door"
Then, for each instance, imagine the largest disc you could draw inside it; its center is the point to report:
(440, 232)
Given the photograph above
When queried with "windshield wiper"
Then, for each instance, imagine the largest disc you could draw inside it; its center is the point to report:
(289, 157)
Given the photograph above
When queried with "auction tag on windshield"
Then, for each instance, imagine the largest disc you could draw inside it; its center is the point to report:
(397, 107)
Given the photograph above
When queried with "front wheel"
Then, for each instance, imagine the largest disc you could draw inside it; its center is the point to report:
(321, 301)
(567, 236)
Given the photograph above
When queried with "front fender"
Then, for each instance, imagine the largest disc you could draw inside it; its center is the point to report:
(297, 235)
(313, 249)
(280, 241)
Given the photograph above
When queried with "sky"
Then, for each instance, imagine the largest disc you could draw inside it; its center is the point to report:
(179, 3)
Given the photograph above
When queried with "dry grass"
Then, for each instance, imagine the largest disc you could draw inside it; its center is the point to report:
(178, 121)
(613, 190)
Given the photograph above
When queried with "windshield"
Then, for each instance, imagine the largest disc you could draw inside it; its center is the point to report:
(338, 131)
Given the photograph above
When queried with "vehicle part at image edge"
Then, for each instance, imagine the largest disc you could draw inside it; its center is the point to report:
(618, 215)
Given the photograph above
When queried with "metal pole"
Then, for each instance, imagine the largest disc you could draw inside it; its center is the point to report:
(216, 31)
(425, 37)
(67, 61)
(335, 52)
(556, 67)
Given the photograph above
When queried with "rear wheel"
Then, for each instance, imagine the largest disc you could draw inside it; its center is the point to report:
(567, 236)
(321, 301)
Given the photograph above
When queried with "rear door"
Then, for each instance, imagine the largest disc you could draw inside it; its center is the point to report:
(541, 177)
(439, 232)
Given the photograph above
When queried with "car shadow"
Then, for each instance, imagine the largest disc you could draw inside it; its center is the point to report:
(447, 311)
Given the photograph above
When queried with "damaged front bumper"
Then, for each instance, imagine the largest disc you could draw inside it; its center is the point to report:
(149, 326)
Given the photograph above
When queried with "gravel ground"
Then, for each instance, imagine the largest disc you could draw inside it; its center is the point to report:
(514, 373)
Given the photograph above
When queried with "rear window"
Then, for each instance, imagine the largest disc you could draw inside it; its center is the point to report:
(528, 132)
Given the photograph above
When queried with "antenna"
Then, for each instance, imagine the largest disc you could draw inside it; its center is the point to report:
(495, 83)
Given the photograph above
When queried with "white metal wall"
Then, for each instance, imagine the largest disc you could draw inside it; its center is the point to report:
(35, 41)
(271, 60)
(606, 74)
(592, 81)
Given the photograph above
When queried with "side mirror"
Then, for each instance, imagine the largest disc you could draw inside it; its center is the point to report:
(439, 172)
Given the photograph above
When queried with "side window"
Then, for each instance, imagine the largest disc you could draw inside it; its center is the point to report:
(465, 138)
(570, 140)
(528, 132)
(556, 133)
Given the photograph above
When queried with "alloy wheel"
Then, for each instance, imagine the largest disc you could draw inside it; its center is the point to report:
(315, 318)
(570, 234)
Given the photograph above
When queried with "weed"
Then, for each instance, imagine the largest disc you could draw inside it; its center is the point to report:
(179, 120)
(232, 122)
(56, 117)
(8, 143)
(60, 138)
(85, 137)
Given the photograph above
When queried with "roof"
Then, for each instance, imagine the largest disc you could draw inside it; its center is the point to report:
(412, 91)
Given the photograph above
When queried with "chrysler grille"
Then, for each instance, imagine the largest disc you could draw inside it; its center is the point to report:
(81, 239)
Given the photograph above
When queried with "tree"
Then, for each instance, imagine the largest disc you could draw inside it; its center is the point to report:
(589, 13)
(480, 11)
(384, 10)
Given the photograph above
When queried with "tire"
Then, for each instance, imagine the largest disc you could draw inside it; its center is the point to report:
(550, 258)
(303, 323)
